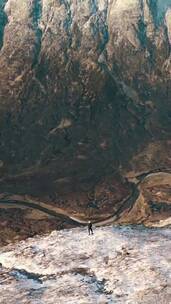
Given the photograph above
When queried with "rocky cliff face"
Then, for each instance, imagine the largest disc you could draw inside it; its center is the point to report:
(85, 91)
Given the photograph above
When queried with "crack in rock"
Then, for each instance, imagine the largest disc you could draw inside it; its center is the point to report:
(3, 21)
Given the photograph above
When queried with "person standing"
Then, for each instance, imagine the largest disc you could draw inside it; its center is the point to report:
(90, 228)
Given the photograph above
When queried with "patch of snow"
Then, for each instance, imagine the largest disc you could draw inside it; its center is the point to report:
(168, 23)
(163, 223)
(116, 265)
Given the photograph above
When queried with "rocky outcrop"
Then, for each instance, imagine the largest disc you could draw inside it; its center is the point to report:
(84, 98)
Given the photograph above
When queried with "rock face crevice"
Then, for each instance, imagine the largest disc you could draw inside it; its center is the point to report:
(37, 15)
(3, 21)
(84, 96)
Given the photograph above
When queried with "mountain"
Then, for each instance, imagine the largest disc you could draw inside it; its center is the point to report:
(85, 91)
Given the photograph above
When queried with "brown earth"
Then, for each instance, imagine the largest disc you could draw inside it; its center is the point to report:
(85, 104)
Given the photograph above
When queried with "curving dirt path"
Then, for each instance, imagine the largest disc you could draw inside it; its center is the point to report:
(60, 213)
(127, 204)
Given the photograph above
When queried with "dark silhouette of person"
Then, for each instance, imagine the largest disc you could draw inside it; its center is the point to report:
(90, 228)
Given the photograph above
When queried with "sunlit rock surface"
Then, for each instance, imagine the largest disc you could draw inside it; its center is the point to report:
(115, 265)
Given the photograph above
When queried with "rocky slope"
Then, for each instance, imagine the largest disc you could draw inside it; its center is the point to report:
(85, 91)
(116, 265)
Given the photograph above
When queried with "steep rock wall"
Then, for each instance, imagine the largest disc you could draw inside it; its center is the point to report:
(84, 88)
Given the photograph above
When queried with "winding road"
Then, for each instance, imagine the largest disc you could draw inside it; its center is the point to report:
(59, 213)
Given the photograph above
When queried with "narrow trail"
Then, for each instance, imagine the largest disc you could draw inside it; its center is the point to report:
(126, 204)
(60, 213)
